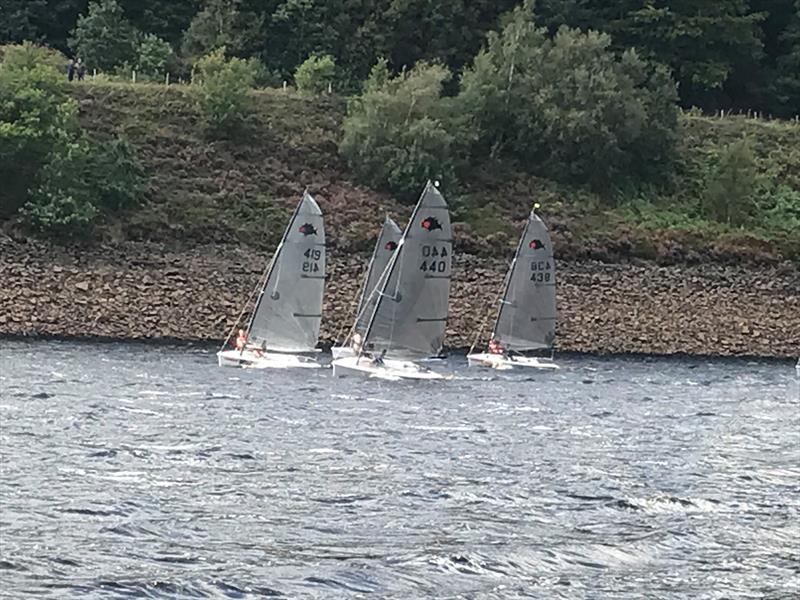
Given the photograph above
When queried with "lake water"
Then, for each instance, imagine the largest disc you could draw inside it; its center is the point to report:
(130, 470)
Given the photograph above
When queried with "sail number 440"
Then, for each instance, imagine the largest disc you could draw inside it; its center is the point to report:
(433, 259)
(310, 265)
(540, 271)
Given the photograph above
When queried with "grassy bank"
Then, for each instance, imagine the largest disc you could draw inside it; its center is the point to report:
(240, 190)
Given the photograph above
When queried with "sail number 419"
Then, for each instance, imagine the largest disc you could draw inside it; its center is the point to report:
(430, 254)
(311, 265)
(540, 271)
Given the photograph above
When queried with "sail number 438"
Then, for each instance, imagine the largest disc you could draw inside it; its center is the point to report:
(540, 271)
(433, 259)
(310, 265)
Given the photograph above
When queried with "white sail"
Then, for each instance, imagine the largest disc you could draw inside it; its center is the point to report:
(387, 242)
(288, 309)
(526, 318)
(410, 312)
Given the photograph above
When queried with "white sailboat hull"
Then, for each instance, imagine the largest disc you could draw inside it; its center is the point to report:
(505, 363)
(341, 352)
(391, 369)
(267, 360)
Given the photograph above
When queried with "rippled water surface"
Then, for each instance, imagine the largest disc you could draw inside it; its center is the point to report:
(146, 471)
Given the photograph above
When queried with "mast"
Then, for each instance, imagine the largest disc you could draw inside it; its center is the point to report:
(369, 270)
(274, 261)
(510, 271)
(391, 267)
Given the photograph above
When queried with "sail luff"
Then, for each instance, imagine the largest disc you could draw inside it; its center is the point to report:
(410, 312)
(385, 246)
(507, 281)
(381, 293)
(527, 314)
(390, 268)
(272, 264)
(288, 313)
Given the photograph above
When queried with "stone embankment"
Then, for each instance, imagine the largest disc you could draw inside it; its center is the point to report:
(136, 291)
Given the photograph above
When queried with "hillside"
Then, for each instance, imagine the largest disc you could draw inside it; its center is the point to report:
(636, 274)
(240, 190)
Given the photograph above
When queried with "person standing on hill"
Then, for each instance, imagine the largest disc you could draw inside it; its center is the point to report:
(70, 70)
(80, 69)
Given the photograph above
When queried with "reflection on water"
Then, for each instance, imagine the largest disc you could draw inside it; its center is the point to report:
(146, 471)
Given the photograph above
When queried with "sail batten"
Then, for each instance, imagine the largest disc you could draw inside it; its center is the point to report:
(288, 313)
(406, 319)
(526, 314)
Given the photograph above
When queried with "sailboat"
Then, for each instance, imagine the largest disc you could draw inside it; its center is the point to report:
(284, 325)
(526, 316)
(408, 309)
(385, 246)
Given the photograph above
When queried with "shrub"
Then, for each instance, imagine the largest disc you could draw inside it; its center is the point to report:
(61, 202)
(152, 56)
(223, 91)
(36, 117)
(731, 191)
(28, 55)
(114, 174)
(401, 132)
(104, 38)
(263, 77)
(315, 74)
(83, 180)
(569, 107)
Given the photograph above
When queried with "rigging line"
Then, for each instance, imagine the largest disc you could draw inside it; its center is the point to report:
(488, 313)
(241, 314)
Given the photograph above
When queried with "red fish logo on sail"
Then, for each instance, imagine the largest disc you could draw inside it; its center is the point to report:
(391, 245)
(536, 245)
(308, 229)
(431, 224)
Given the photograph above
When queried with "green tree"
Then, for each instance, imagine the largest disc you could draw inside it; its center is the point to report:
(20, 20)
(447, 31)
(223, 23)
(222, 93)
(104, 38)
(703, 41)
(36, 117)
(731, 191)
(298, 29)
(787, 84)
(569, 107)
(168, 20)
(315, 74)
(152, 56)
(401, 132)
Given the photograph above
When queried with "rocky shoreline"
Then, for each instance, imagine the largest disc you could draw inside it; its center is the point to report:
(136, 291)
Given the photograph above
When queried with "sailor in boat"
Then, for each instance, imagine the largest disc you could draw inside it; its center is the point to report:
(242, 345)
(241, 340)
(497, 353)
(355, 343)
(496, 347)
(378, 360)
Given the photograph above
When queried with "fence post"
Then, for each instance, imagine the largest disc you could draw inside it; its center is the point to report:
(94, 74)
(133, 76)
(330, 88)
(191, 81)
(166, 81)
(284, 85)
